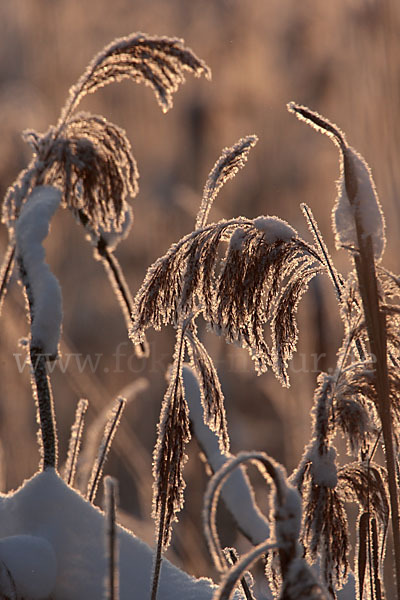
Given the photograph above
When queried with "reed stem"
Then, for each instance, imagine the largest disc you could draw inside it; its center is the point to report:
(376, 327)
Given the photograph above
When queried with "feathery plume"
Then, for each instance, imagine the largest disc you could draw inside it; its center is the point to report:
(212, 397)
(265, 269)
(159, 62)
(91, 162)
(231, 160)
(365, 484)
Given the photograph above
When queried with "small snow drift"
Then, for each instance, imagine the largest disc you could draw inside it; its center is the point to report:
(52, 543)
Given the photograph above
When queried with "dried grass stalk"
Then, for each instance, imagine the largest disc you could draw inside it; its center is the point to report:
(359, 224)
(75, 442)
(6, 272)
(110, 429)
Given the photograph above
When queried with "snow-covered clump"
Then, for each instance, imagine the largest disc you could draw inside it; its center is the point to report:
(364, 207)
(237, 238)
(69, 535)
(43, 287)
(275, 229)
(323, 467)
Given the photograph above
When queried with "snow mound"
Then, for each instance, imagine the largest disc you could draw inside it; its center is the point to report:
(53, 542)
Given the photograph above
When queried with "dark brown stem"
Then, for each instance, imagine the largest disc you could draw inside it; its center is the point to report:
(159, 549)
(41, 389)
(246, 590)
(45, 405)
(117, 280)
(111, 490)
(121, 288)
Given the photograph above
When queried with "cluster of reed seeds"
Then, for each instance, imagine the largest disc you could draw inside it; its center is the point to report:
(84, 163)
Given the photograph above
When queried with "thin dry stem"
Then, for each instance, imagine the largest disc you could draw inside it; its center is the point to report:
(6, 272)
(105, 445)
(75, 442)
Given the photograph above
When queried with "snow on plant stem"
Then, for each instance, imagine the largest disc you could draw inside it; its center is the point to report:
(357, 211)
(43, 289)
(236, 492)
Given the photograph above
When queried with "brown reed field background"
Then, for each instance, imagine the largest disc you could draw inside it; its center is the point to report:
(341, 59)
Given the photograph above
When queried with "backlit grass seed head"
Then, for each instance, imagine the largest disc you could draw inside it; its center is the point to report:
(231, 160)
(326, 532)
(92, 163)
(159, 62)
(359, 383)
(169, 453)
(354, 410)
(365, 483)
(260, 280)
(88, 157)
(354, 420)
(212, 397)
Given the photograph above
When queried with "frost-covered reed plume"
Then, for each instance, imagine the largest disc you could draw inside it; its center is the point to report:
(259, 281)
(67, 549)
(244, 278)
(84, 163)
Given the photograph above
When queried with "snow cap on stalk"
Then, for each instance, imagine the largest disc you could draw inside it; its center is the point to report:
(357, 213)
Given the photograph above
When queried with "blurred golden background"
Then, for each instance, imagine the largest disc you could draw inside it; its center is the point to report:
(340, 58)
